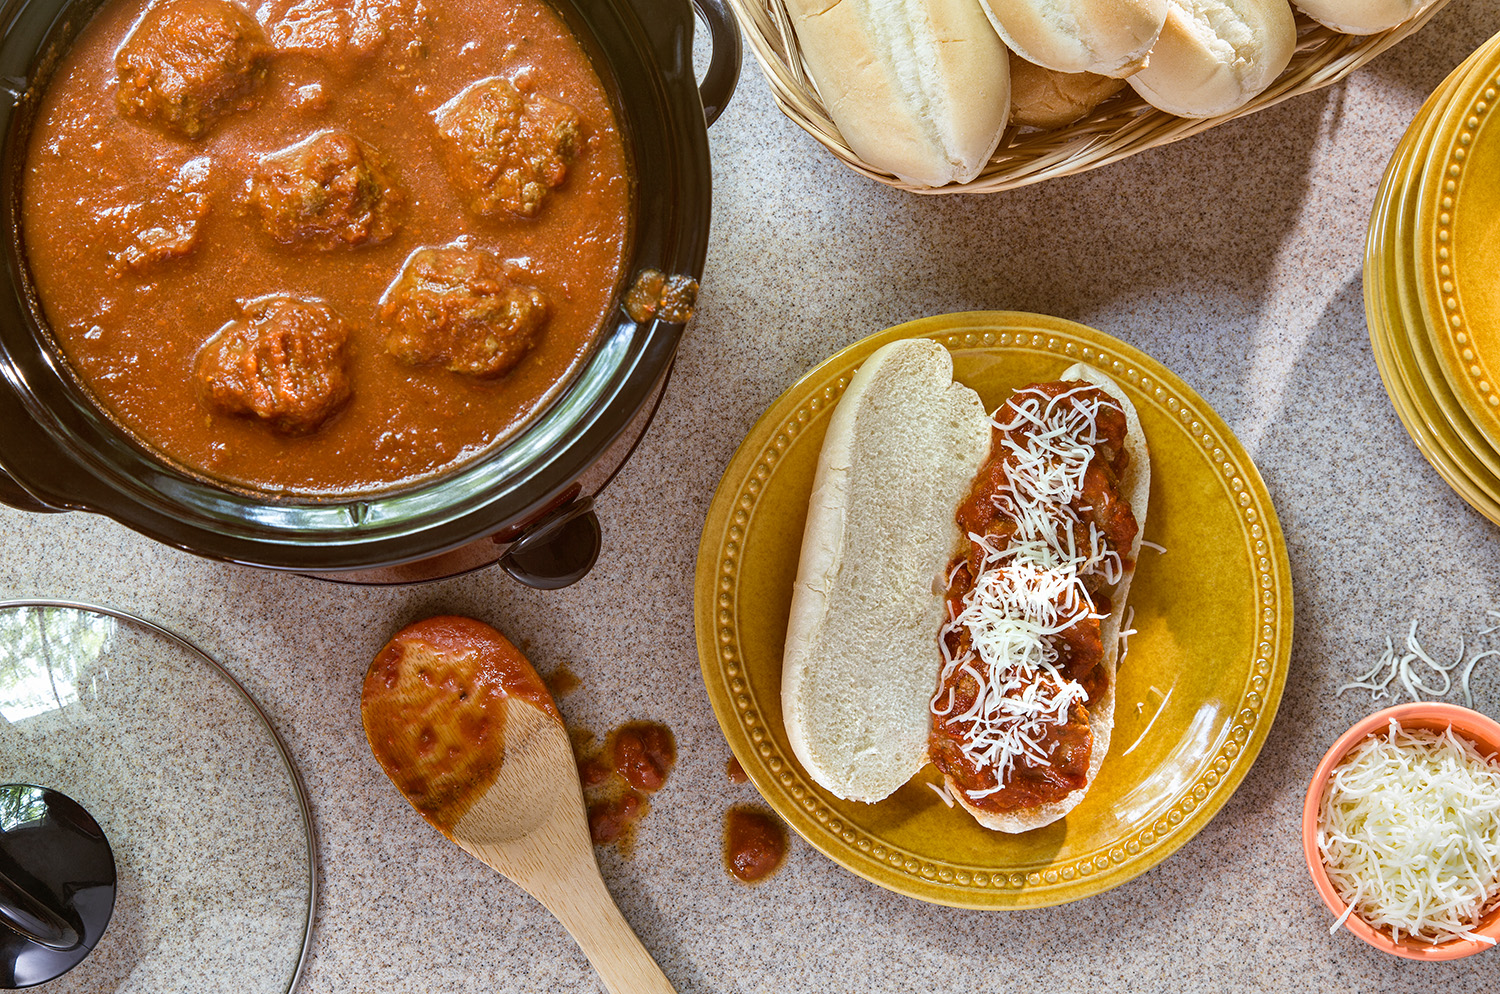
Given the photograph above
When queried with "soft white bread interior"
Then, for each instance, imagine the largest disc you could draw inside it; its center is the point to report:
(1362, 17)
(861, 657)
(1214, 55)
(1108, 37)
(1135, 486)
(919, 88)
(1046, 98)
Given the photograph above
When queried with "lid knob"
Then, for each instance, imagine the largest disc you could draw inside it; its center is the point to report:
(57, 885)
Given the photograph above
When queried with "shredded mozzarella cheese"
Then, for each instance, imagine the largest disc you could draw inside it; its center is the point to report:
(1409, 831)
(1402, 668)
(1029, 589)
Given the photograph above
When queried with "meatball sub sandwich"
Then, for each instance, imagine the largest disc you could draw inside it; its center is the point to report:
(962, 585)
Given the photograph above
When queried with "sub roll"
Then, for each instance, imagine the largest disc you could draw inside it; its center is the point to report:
(918, 88)
(1108, 37)
(962, 585)
(1213, 56)
(1362, 17)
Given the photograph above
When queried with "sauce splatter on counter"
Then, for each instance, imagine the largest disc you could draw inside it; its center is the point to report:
(754, 843)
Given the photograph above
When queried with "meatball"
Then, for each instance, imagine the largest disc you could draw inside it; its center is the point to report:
(457, 307)
(342, 29)
(188, 63)
(162, 228)
(328, 191)
(283, 362)
(505, 150)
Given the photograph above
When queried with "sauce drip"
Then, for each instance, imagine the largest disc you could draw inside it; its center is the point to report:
(619, 779)
(755, 843)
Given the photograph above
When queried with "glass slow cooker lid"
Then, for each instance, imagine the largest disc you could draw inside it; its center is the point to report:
(194, 792)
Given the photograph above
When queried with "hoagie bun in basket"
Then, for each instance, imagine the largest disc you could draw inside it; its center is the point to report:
(1108, 37)
(1046, 98)
(919, 88)
(1362, 17)
(961, 588)
(1214, 56)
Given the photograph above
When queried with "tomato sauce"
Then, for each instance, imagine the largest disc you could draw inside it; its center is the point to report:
(755, 844)
(434, 711)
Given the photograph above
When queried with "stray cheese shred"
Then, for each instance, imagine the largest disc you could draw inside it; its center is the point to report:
(1409, 832)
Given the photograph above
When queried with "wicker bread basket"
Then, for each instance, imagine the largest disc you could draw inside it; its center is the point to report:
(1120, 127)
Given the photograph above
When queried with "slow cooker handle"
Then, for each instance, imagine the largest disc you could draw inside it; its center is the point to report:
(723, 61)
(558, 550)
(12, 494)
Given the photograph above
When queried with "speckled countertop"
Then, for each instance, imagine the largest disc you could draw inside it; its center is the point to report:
(1233, 257)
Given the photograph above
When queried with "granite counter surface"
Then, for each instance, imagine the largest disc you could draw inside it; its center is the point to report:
(1234, 258)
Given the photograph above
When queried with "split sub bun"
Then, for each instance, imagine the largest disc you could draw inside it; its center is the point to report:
(1213, 56)
(1362, 17)
(864, 661)
(1046, 98)
(918, 88)
(861, 652)
(1108, 37)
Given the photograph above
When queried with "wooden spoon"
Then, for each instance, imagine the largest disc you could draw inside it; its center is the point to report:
(468, 733)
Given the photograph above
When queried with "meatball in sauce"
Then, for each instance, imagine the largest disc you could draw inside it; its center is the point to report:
(457, 307)
(328, 191)
(190, 62)
(283, 362)
(506, 151)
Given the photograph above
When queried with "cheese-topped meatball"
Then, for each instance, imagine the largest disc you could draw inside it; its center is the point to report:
(328, 191)
(284, 362)
(457, 307)
(505, 151)
(188, 63)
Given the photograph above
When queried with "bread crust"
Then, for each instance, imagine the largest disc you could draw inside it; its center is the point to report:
(1045, 98)
(1362, 17)
(1135, 486)
(1107, 37)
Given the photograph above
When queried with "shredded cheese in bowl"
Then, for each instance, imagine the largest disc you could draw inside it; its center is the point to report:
(1409, 833)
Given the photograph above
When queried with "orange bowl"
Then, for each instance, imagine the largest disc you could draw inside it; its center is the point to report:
(1478, 729)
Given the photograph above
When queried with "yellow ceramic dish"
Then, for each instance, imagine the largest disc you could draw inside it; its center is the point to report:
(1197, 690)
(1433, 418)
(1457, 230)
(1427, 387)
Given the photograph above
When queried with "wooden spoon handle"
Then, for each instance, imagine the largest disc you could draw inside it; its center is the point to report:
(582, 903)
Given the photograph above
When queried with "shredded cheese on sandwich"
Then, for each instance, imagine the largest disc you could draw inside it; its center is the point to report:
(1029, 588)
(1409, 831)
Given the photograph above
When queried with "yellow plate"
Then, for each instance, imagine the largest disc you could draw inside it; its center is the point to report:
(1198, 688)
(1457, 231)
(1427, 388)
(1429, 430)
(1423, 401)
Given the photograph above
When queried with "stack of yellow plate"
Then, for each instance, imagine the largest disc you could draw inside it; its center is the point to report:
(1432, 280)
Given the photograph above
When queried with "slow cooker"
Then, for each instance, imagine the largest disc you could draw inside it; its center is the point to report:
(528, 502)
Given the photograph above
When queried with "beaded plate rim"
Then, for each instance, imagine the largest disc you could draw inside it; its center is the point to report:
(1471, 376)
(780, 779)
